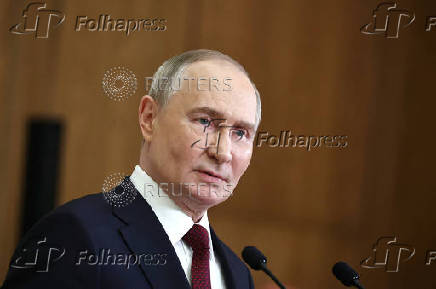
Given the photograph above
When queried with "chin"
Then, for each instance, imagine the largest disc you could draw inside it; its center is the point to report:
(211, 197)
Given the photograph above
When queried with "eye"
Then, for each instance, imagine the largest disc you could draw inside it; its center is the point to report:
(203, 121)
(239, 133)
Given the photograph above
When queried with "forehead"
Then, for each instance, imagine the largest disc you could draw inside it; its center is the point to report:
(220, 85)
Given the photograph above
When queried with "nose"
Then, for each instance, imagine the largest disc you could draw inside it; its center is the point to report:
(220, 147)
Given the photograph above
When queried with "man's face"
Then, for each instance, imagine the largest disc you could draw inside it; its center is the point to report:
(204, 135)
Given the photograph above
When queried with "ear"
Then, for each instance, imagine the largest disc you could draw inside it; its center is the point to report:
(148, 109)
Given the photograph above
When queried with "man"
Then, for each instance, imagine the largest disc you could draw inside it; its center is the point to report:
(198, 125)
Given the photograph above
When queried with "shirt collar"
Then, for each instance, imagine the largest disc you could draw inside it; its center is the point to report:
(175, 222)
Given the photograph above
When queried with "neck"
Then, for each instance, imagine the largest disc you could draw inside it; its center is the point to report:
(194, 213)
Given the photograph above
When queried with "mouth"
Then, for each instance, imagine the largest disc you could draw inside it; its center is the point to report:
(211, 176)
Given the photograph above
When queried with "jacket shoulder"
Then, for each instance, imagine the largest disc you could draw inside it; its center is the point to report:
(83, 214)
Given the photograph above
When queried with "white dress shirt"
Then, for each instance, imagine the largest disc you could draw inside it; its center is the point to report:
(176, 224)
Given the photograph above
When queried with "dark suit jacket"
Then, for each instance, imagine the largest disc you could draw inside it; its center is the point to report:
(71, 246)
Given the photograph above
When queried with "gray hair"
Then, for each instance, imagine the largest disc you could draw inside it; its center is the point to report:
(174, 67)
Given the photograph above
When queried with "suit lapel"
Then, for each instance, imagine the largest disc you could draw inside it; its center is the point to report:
(144, 234)
(229, 267)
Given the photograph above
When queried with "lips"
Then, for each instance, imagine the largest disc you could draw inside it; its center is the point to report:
(212, 176)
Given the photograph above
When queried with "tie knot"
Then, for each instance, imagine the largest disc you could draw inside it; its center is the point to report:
(197, 237)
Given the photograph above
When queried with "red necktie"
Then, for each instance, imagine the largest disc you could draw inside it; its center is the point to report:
(198, 238)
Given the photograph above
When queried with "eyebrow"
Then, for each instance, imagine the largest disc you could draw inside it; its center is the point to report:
(219, 115)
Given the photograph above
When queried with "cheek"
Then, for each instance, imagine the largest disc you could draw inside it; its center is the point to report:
(181, 150)
(241, 161)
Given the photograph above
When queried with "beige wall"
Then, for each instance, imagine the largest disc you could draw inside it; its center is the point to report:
(317, 74)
